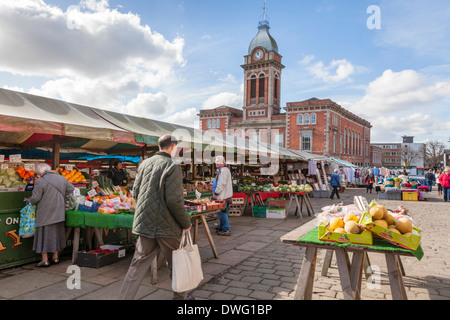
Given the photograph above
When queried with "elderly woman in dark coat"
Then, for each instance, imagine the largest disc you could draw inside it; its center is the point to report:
(49, 195)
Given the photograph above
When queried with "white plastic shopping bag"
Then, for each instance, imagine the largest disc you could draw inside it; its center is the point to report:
(187, 270)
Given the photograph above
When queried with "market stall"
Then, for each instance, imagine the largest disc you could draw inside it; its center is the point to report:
(345, 229)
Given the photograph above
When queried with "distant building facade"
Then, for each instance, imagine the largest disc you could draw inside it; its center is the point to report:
(319, 126)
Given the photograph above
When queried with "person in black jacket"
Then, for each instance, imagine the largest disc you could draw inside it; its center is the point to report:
(430, 178)
(118, 175)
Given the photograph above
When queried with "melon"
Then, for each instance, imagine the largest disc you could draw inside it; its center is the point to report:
(390, 219)
(404, 225)
(409, 234)
(377, 212)
(394, 230)
(381, 223)
(340, 230)
(336, 223)
(352, 227)
(350, 217)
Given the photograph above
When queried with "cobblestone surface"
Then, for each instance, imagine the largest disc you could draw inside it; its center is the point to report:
(254, 264)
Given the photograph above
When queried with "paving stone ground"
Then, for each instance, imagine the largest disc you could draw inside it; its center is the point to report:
(254, 264)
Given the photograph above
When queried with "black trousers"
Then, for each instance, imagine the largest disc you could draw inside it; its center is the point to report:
(335, 192)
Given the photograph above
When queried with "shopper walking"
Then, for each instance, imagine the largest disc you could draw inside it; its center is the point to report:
(444, 179)
(369, 180)
(438, 183)
(223, 190)
(160, 217)
(430, 178)
(48, 195)
(335, 182)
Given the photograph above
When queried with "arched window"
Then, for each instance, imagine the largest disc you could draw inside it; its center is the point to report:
(300, 119)
(262, 87)
(306, 118)
(253, 87)
(313, 118)
(345, 140)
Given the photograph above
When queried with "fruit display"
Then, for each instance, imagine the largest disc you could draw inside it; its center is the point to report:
(201, 187)
(275, 188)
(206, 204)
(395, 226)
(28, 176)
(73, 176)
(9, 178)
(339, 223)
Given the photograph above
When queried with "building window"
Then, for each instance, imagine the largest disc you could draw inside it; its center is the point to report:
(306, 119)
(218, 123)
(275, 91)
(334, 142)
(341, 144)
(253, 87)
(306, 142)
(262, 82)
(300, 119)
(208, 126)
(279, 140)
(313, 119)
(213, 124)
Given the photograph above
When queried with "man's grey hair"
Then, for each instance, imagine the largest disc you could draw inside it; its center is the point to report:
(220, 160)
(336, 170)
(42, 168)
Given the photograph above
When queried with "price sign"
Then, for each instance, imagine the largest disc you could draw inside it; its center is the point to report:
(115, 201)
(69, 167)
(94, 184)
(198, 194)
(2, 157)
(30, 166)
(92, 193)
(4, 166)
(76, 192)
(15, 158)
(88, 204)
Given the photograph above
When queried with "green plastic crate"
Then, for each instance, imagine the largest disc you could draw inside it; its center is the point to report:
(259, 212)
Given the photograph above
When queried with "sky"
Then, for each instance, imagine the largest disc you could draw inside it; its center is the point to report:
(387, 61)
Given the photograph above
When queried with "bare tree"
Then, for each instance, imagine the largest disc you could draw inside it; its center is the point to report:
(434, 151)
(409, 156)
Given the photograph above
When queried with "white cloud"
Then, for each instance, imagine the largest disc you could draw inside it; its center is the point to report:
(403, 91)
(223, 99)
(90, 54)
(148, 104)
(336, 71)
(186, 118)
(404, 103)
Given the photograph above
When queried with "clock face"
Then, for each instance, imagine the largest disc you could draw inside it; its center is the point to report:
(258, 54)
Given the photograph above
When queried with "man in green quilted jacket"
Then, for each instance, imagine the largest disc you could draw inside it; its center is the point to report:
(160, 215)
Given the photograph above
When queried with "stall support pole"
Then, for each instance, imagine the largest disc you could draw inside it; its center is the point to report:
(56, 151)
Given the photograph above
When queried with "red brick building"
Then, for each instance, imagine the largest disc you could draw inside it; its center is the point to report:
(318, 126)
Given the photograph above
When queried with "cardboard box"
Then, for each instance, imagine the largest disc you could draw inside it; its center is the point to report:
(411, 242)
(98, 260)
(276, 213)
(365, 238)
(281, 204)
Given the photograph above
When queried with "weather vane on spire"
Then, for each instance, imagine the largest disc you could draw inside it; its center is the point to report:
(264, 21)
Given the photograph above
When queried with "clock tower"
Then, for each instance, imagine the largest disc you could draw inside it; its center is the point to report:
(262, 76)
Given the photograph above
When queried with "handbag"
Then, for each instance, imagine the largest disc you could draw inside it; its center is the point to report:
(187, 270)
(27, 224)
